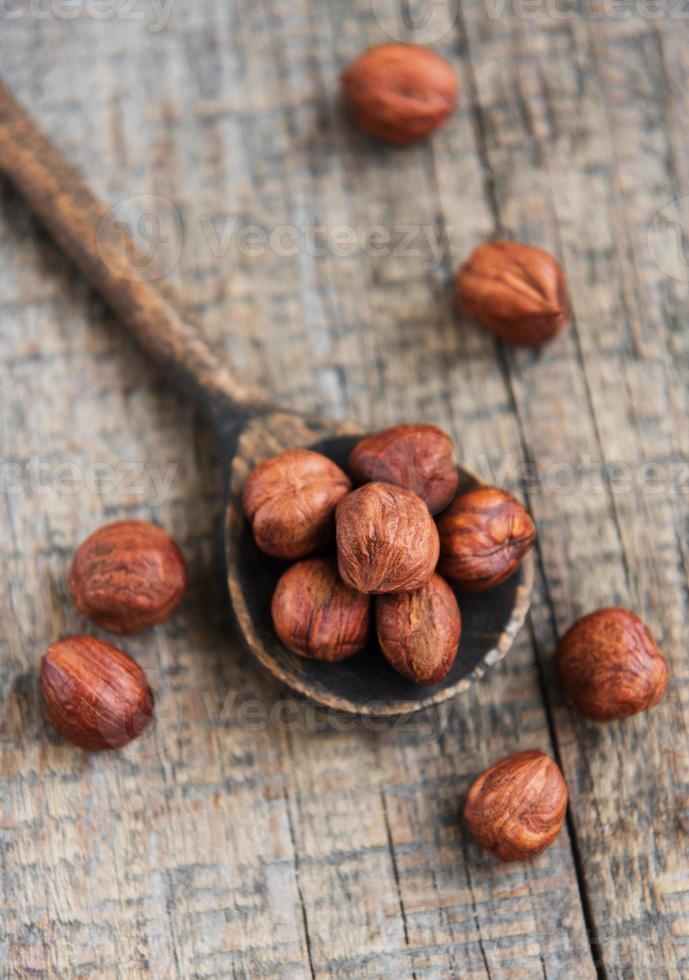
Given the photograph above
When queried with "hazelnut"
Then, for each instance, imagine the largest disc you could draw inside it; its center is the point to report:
(609, 666)
(419, 631)
(316, 615)
(484, 534)
(128, 576)
(386, 539)
(95, 695)
(417, 457)
(290, 502)
(516, 808)
(400, 92)
(518, 291)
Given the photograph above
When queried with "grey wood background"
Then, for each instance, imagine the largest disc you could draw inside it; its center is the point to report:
(253, 835)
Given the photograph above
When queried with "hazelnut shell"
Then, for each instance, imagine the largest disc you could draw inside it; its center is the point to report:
(316, 615)
(417, 457)
(609, 666)
(128, 576)
(290, 501)
(95, 695)
(419, 631)
(484, 534)
(518, 291)
(516, 808)
(400, 92)
(386, 539)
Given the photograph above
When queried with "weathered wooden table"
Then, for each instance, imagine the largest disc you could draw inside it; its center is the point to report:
(254, 835)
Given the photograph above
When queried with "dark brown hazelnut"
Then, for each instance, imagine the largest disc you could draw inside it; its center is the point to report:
(290, 502)
(316, 615)
(417, 457)
(386, 539)
(516, 808)
(400, 92)
(609, 666)
(95, 695)
(128, 576)
(484, 534)
(419, 631)
(518, 291)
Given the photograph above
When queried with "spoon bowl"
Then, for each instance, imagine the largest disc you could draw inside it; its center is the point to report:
(364, 684)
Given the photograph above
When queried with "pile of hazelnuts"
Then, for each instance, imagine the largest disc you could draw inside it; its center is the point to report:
(397, 540)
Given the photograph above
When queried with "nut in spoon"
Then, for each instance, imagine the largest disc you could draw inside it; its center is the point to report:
(250, 428)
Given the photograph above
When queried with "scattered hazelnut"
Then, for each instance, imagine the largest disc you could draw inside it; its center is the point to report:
(419, 631)
(128, 576)
(95, 695)
(609, 666)
(290, 501)
(484, 534)
(316, 615)
(386, 539)
(516, 808)
(518, 291)
(417, 457)
(400, 92)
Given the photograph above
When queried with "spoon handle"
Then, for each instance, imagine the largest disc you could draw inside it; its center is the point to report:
(106, 255)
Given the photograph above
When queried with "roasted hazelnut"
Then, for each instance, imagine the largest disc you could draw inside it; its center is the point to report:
(386, 539)
(516, 808)
(290, 502)
(128, 576)
(419, 631)
(316, 615)
(94, 694)
(417, 457)
(400, 92)
(609, 666)
(484, 534)
(518, 291)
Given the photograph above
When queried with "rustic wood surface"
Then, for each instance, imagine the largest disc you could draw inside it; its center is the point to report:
(253, 835)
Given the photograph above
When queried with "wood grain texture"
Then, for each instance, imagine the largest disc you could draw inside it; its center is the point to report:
(256, 836)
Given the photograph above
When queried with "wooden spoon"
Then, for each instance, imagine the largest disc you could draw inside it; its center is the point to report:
(251, 428)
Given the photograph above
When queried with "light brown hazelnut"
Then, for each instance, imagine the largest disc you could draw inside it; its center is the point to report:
(518, 291)
(516, 808)
(417, 457)
(386, 539)
(128, 576)
(316, 615)
(290, 502)
(484, 534)
(400, 92)
(95, 695)
(419, 631)
(609, 666)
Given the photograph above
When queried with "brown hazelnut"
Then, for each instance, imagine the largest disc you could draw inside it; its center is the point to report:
(518, 291)
(609, 666)
(516, 808)
(417, 457)
(95, 695)
(484, 534)
(128, 576)
(316, 615)
(290, 502)
(386, 539)
(419, 631)
(400, 92)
